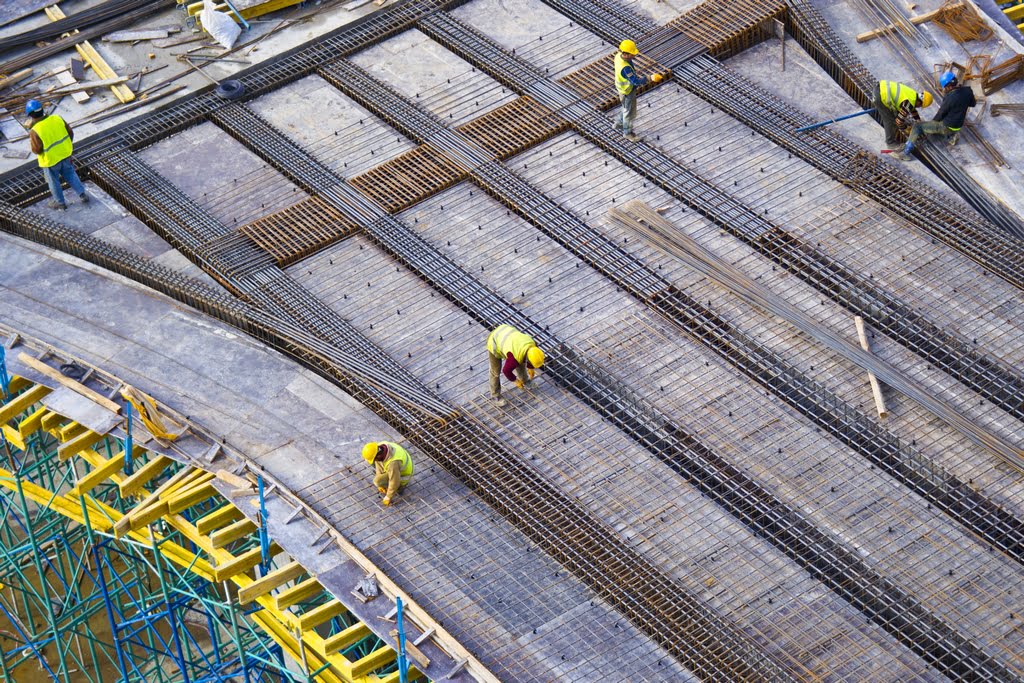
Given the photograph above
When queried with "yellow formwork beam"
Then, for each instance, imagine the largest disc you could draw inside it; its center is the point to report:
(23, 402)
(70, 431)
(274, 579)
(18, 383)
(193, 495)
(249, 12)
(373, 661)
(322, 614)
(99, 474)
(85, 439)
(93, 58)
(350, 636)
(1015, 13)
(145, 474)
(25, 427)
(243, 563)
(224, 515)
(51, 423)
(221, 538)
(297, 593)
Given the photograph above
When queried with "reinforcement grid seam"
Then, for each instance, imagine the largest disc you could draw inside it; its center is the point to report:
(809, 397)
(646, 595)
(824, 557)
(990, 378)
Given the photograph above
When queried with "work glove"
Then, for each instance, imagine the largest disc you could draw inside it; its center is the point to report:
(531, 372)
(657, 78)
(519, 383)
(386, 501)
(381, 490)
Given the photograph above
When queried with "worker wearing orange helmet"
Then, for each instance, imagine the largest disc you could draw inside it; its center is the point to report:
(511, 351)
(626, 83)
(392, 466)
(896, 104)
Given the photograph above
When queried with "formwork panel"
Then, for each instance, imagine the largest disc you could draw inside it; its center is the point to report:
(443, 83)
(330, 126)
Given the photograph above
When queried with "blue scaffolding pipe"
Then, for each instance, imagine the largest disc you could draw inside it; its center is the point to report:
(403, 661)
(128, 446)
(264, 534)
(5, 379)
(822, 124)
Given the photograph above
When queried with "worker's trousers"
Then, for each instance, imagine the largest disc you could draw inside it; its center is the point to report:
(627, 112)
(495, 373)
(62, 169)
(888, 118)
(929, 128)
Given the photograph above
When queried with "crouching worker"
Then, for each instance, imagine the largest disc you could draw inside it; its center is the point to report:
(956, 100)
(392, 466)
(511, 351)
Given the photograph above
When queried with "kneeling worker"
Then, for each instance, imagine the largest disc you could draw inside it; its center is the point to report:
(392, 467)
(896, 104)
(957, 99)
(508, 351)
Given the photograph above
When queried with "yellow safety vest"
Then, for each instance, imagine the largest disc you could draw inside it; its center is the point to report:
(622, 83)
(53, 133)
(507, 339)
(401, 455)
(892, 94)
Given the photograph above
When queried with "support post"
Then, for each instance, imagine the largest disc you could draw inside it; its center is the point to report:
(5, 379)
(128, 445)
(403, 661)
(264, 534)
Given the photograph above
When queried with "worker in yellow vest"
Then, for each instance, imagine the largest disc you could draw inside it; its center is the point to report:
(51, 140)
(392, 466)
(626, 82)
(896, 104)
(511, 351)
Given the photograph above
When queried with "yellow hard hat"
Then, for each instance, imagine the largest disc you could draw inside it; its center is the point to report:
(926, 98)
(535, 356)
(370, 452)
(629, 47)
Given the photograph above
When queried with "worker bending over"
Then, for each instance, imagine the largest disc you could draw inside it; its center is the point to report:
(957, 99)
(896, 104)
(510, 351)
(392, 466)
(626, 83)
(50, 138)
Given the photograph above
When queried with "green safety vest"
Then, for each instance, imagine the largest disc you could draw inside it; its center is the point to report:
(892, 94)
(622, 83)
(53, 133)
(401, 455)
(506, 339)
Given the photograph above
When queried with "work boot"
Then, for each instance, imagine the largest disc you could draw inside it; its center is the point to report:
(633, 137)
(500, 402)
(85, 198)
(54, 204)
(902, 156)
(953, 139)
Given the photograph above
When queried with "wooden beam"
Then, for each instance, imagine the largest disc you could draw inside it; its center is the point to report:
(274, 579)
(98, 475)
(321, 614)
(142, 476)
(916, 21)
(876, 388)
(22, 402)
(71, 447)
(242, 563)
(55, 375)
(94, 59)
(221, 538)
(222, 516)
(298, 593)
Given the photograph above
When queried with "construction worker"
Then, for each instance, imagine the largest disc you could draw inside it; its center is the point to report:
(957, 99)
(626, 83)
(392, 466)
(896, 104)
(51, 140)
(510, 351)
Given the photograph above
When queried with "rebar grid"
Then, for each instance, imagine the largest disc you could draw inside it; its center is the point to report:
(582, 182)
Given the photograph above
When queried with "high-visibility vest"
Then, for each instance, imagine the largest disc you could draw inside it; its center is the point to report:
(53, 133)
(507, 339)
(622, 83)
(401, 455)
(892, 94)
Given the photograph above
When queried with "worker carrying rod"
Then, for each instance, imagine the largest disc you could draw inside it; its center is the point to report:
(510, 351)
(392, 466)
(626, 82)
(50, 138)
(957, 99)
(897, 104)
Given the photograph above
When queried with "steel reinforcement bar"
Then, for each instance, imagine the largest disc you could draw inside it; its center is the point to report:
(990, 378)
(646, 596)
(812, 399)
(822, 555)
(24, 185)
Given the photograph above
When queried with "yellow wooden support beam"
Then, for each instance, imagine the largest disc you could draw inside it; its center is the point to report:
(142, 476)
(242, 563)
(393, 677)
(92, 58)
(225, 514)
(221, 538)
(18, 383)
(1015, 13)
(33, 421)
(193, 495)
(372, 661)
(350, 636)
(74, 446)
(51, 422)
(98, 475)
(267, 7)
(71, 430)
(23, 402)
(13, 436)
(274, 579)
(321, 614)
(297, 593)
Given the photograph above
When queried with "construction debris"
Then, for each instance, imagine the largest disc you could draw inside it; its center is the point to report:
(132, 36)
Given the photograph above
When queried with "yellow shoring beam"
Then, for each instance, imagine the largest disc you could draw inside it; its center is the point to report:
(72, 447)
(225, 514)
(21, 402)
(193, 495)
(93, 58)
(297, 593)
(322, 614)
(145, 474)
(274, 579)
(222, 538)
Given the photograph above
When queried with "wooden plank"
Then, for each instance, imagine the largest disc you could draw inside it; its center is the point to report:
(876, 389)
(297, 593)
(99, 475)
(242, 563)
(191, 496)
(15, 77)
(413, 651)
(77, 87)
(66, 78)
(22, 402)
(321, 614)
(225, 514)
(83, 440)
(55, 375)
(94, 59)
(142, 476)
(223, 537)
(350, 636)
(130, 35)
(274, 579)
(915, 20)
